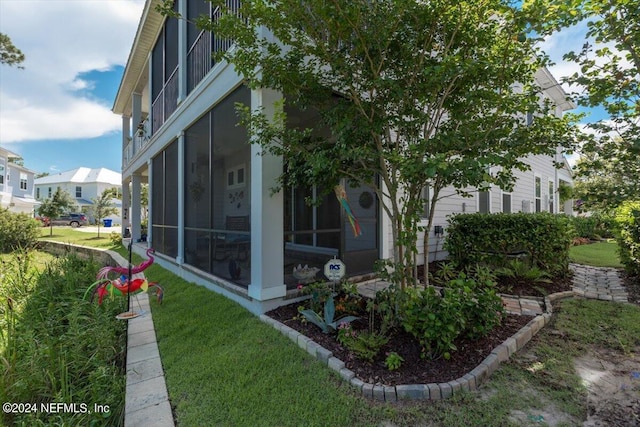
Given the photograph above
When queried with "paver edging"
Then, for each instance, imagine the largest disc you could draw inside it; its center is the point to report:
(433, 391)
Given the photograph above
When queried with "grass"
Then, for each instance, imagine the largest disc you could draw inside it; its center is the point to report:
(56, 347)
(225, 367)
(70, 235)
(601, 254)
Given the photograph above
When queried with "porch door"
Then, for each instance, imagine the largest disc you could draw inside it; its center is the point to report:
(360, 253)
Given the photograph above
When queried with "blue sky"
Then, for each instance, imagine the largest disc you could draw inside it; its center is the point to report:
(56, 113)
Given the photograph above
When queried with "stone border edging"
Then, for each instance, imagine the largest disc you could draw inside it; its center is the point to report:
(432, 391)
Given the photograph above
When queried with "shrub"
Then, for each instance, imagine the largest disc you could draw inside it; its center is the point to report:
(628, 222)
(466, 306)
(542, 239)
(365, 344)
(17, 230)
(116, 238)
(591, 227)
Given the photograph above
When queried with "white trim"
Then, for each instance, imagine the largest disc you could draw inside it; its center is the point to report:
(535, 198)
(552, 196)
(502, 194)
(489, 210)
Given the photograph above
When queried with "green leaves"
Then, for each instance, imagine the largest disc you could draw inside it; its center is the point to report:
(628, 219)
(466, 306)
(327, 324)
(492, 238)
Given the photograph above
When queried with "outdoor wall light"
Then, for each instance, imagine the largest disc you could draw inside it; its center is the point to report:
(438, 230)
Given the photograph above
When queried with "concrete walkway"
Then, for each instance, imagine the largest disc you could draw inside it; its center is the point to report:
(146, 400)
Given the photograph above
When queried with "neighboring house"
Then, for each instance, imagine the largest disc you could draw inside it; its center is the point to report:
(535, 190)
(212, 218)
(83, 184)
(16, 185)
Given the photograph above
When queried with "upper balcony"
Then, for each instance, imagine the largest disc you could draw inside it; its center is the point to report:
(158, 77)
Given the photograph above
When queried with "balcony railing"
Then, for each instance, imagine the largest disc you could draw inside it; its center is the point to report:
(165, 103)
(199, 60)
(142, 135)
(199, 63)
(128, 154)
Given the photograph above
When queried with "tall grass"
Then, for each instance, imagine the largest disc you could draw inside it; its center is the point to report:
(56, 347)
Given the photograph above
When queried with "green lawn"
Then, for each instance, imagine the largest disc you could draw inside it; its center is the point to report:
(225, 367)
(71, 235)
(602, 254)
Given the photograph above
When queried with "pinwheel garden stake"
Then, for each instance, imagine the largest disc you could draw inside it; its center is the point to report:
(124, 283)
(341, 194)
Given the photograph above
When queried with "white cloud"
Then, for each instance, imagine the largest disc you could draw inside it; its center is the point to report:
(562, 42)
(62, 39)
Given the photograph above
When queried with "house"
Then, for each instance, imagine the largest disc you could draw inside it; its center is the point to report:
(535, 190)
(83, 184)
(16, 184)
(212, 217)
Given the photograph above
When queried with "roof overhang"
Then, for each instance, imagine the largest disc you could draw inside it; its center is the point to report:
(135, 76)
(550, 85)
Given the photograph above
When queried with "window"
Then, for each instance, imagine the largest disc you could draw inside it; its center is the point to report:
(235, 177)
(23, 181)
(1, 174)
(37, 193)
(538, 194)
(551, 195)
(49, 192)
(78, 191)
(426, 198)
(506, 202)
(484, 201)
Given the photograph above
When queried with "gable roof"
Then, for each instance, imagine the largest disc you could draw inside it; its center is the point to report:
(83, 175)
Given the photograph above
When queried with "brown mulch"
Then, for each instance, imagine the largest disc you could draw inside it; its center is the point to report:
(632, 286)
(524, 288)
(414, 369)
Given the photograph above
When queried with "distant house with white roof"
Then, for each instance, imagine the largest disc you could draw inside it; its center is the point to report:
(16, 184)
(83, 184)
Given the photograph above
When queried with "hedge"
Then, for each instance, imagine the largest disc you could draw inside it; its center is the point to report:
(493, 239)
(17, 230)
(628, 220)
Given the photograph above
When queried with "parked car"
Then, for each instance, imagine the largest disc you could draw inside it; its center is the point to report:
(72, 219)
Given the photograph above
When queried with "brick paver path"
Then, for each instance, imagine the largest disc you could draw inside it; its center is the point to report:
(598, 283)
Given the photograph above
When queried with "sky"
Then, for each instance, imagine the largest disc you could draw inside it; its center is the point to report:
(56, 112)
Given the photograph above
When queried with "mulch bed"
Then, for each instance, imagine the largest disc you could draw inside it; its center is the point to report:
(418, 370)
(632, 286)
(414, 369)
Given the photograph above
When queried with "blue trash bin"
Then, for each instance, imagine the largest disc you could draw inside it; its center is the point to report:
(107, 222)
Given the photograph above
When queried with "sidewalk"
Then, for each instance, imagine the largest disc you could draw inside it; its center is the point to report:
(103, 229)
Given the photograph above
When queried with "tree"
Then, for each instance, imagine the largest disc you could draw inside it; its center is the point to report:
(604, 176)
(53, 207)
(41, 175)
(114, 193)
(414, 94)
(103, 206)
(16, 161)
(9, 54)
(609, 78)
